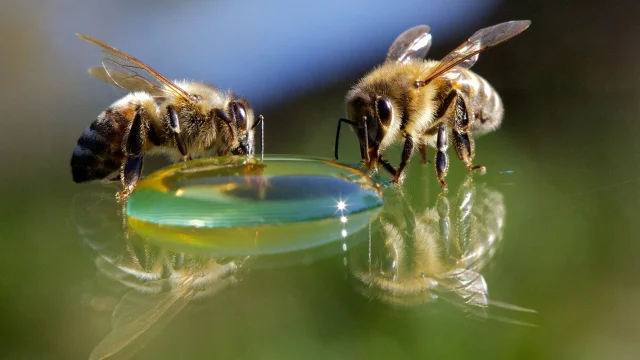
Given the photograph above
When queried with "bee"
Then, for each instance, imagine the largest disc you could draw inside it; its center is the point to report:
(426, 102)
(180, 119)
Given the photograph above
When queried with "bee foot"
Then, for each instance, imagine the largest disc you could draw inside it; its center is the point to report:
(443, 184)
(398, 179)
(481, 169)
(122, 196)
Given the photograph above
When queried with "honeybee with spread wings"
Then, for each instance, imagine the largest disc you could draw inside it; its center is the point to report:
(426, 102)
(180, 119)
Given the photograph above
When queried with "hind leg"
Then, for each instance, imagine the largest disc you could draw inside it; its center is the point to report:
(131, 171)
(132, 165)
(462, 139)
(455, 121)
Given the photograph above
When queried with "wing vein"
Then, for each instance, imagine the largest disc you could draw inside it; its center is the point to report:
(130, 73)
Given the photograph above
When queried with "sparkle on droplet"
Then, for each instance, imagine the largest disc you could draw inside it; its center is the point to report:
(343, 219)
(344, 233)
(197, 223)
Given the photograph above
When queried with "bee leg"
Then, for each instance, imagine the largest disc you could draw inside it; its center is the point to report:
(423, 153)
(462, 139)
(442, 160)
(387, 166)
(132, 165)
(175, 127)
(131, 170)
(407, 152)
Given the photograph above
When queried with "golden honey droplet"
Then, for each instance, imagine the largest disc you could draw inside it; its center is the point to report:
(241, 206)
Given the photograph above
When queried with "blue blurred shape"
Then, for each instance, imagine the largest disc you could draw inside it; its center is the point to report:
(265, 50)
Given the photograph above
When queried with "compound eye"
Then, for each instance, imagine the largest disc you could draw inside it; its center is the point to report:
(240, 114)
(383, 107)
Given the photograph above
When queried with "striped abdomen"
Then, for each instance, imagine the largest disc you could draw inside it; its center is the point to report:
(98, 152)
(483, 102)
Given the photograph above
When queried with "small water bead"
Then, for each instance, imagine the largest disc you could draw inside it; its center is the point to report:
(242, 206)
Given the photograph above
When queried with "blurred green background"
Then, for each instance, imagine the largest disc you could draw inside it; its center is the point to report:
(564, 161)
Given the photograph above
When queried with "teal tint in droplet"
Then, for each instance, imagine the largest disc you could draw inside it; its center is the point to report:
(236, 205)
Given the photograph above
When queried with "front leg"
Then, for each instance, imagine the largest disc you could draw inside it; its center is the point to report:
(407, 152)
(174, 124)
(387, 166)
(462, 139)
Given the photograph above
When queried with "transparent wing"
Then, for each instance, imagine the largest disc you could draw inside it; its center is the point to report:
(127, 72)
(128, 81)
(411, 44)
(467, 53)
(469, 62)
(138, 318)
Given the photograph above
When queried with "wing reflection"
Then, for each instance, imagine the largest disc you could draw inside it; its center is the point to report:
(155, 284)
(417, 256)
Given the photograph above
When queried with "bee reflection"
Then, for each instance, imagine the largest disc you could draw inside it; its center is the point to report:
(418, 256)
(150, 285)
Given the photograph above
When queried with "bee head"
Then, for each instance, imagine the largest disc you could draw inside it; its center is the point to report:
(243, 122)
(372, 118)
